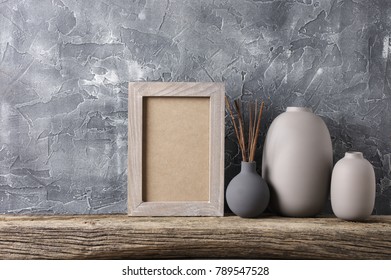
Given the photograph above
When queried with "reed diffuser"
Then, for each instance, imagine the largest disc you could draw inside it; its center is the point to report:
(247, 194)
(255, 115)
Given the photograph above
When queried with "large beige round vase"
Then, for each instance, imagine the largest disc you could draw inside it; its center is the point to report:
(297, 163)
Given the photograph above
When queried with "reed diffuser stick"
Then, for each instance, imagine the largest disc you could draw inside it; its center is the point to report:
(241, 128)
(250, 127)
(255, 115)
(255, 140)
(228, 105)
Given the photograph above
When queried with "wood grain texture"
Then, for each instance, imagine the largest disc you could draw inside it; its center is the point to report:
(215, 206)
(114, 237)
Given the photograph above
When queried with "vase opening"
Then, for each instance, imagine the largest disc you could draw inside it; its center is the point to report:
(354, 155)
(249, 166)
(299, 109)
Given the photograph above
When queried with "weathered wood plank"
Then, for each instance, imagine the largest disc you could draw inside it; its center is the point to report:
(113, 237)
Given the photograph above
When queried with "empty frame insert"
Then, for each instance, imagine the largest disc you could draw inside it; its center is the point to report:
(176, 149)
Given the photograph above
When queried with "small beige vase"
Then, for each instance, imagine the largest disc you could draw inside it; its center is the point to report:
(353, 187)
(297, 163)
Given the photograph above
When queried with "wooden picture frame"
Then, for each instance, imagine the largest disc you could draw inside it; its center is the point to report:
(176, 149)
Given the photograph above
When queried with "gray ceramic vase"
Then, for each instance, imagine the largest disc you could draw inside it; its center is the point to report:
(247, 194)
(297, 163)
(353, 187)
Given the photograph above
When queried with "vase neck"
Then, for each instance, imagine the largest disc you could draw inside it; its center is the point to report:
(353, 155)
(248, 166)
(298, 109)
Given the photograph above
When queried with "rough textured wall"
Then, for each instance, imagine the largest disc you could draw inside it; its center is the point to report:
(64, 68)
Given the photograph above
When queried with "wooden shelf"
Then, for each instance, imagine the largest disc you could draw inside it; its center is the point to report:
(119, 236)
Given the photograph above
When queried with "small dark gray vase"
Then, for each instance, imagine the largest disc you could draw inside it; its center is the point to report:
(248, 194)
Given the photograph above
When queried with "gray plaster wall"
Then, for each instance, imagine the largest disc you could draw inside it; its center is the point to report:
(64, 68)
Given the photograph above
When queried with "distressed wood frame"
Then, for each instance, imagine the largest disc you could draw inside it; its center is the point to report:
(215, 206)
